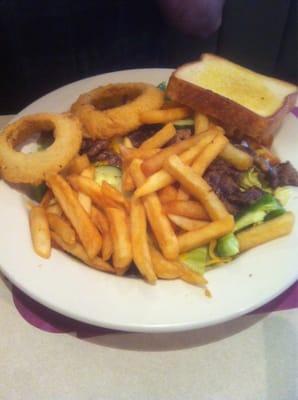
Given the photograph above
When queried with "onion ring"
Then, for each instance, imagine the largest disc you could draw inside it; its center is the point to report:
(18, 167)
(103, 114)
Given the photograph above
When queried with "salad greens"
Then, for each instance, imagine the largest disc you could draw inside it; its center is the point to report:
(227, 246)
(110, 174)
(183, 123)
(251, 178)
(196, 259)
(267, 207)
(257, 212)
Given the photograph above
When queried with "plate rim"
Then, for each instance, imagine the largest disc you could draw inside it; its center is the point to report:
(158, 328)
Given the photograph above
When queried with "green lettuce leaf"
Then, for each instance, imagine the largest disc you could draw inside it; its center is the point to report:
(110, 174)
(251, 179)
(196, 259)
(227, 246)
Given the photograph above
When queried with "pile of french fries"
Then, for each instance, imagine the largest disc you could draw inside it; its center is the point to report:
(166, 208)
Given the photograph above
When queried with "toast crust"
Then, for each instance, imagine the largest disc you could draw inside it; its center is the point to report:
(234, 117)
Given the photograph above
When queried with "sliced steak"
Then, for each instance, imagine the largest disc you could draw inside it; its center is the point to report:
(93, 147)
(97, 150)
(143, 133)
(246, 198)
(283, 174)
(225, 181)
(146, 131)
(181, 134)
(110, 157)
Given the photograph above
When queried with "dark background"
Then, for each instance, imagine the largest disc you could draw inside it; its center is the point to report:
(46, 44)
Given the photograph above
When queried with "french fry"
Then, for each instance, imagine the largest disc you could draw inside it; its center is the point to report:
(201, 123)
(82, 197)
(77, 165)
(267, 154)
(79, 219)
(197, 187)
(113, 194)
(130, 154)
(209, 154)
(139, 241)
(186, 208)
(164, 116)
(107, 245)
(160, 138)
(162, 178)
(48, 196)
(101, 222)
(54, 209)
(91, 189)
(214, 230)
(122, 251)
(262, 233)
(168, 193)
(127, 143)
(127, 181)
(99, 219)
(40, 232)
(153, 183)
(155, 163)
(182, 194)
(187, 224)
(189, 276)
(159, 222)
(165, 269)
(236, 157)
(62, 228)
(85, 202)
(88, 172)
(219, 129)
(78, 251)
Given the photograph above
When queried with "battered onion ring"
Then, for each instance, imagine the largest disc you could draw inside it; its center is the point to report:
(100, 120)
(18, 167)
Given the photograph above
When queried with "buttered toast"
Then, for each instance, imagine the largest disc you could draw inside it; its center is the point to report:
(243, 101)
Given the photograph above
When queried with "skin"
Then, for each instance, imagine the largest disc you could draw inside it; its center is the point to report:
(193, 17)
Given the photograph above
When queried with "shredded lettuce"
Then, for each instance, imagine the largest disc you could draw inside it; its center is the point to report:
(255, 213)
(251, 179)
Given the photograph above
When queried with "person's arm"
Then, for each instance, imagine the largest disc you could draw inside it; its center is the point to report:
(194, 17)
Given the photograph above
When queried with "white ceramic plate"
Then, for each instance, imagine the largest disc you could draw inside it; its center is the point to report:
(67, 286)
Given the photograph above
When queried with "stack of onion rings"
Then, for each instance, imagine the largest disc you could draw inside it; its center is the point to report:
(113, 110)
(18, 167)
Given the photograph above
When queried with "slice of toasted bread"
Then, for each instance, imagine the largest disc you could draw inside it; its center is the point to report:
(243, 101)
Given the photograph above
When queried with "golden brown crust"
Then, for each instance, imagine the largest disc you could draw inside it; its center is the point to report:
(119, 120)
(33, 168)
(235, 118)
